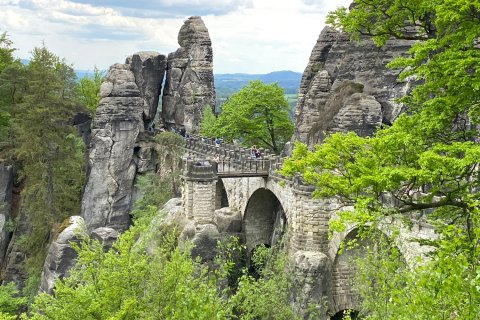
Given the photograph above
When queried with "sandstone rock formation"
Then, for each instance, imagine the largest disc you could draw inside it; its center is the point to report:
(189, 84)
(129, 101)
(61, 255)
(346, 87)
(6, 189)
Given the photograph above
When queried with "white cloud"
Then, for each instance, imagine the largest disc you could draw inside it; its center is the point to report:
(11, 19)
(270, 36)
(253, 36)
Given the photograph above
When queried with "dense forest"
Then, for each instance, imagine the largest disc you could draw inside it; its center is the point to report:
(426, 161)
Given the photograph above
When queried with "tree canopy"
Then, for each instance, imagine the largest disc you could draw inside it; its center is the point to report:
(256, 115)
(428, 158)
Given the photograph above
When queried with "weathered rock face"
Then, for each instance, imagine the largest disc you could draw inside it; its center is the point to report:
(189, 84)
(6, 189)
(128, 102)
(312, 274)
(346, 87)
(61, 256)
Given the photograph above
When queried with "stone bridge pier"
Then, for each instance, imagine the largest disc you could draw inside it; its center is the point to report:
(261, 210)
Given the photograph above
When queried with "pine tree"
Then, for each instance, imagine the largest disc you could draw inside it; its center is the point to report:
(46, 147)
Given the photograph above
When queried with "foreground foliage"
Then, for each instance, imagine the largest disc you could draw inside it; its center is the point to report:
(147, 276)
(428, 159)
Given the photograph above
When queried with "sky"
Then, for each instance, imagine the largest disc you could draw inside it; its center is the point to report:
(248, 36)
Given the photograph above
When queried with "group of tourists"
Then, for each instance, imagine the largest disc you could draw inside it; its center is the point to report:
(255, 152)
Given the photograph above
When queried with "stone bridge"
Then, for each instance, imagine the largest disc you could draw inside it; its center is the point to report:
(248, 197)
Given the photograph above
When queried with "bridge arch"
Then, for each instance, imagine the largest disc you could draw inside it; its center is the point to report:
(221, 196)
(343, 266)
(264, 219)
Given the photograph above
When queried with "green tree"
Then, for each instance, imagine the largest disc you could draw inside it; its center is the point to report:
(257, 115)
(207, 126)
(10, 301)
(88, 89)
(47, 150)
(6, 51)
(428, 159)
(12, 85)
(268, 295)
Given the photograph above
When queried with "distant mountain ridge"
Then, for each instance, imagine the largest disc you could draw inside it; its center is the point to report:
(227, 84)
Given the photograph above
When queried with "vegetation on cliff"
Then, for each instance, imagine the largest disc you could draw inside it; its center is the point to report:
(426, 162)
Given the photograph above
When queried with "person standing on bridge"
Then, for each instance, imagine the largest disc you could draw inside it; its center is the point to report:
(254, 153)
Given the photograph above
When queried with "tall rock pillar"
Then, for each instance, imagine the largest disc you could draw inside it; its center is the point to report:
(189, 84)
(128, 105)
(347, 87)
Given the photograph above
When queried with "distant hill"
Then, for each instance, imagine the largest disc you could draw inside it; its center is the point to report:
(229, 83)
(83, 73)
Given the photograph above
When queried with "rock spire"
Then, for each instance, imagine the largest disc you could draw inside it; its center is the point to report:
(189, 81)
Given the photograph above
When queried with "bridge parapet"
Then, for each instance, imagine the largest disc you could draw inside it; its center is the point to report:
(230, 159)
(200, 170)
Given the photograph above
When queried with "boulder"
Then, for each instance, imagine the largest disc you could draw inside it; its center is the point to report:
(171, 214)
(61, 255)
(312, 273)
(106, 236)
(228, 220)
(205, 242)
(347, 87)
(189, 84)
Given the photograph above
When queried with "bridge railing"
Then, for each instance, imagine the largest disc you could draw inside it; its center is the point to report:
(230, 158)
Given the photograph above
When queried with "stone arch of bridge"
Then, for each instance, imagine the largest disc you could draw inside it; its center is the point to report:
(264, 219)
(221, 196)
(343, 270)
(403, 240)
